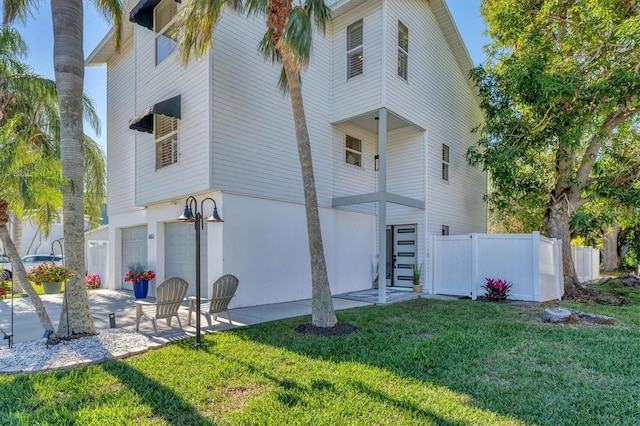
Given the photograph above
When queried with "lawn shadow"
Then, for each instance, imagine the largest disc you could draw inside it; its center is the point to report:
(291, 393)
(477, 351)
(164, 402)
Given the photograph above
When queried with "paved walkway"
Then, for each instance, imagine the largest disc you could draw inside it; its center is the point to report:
(19, 315)
(26, 325)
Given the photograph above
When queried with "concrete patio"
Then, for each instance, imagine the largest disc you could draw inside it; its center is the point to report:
(26, 325)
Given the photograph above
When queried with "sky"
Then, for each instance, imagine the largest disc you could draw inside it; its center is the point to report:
(38, 33)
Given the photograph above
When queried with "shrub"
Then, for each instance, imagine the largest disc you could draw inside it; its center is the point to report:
(92, 281)
(497, 289)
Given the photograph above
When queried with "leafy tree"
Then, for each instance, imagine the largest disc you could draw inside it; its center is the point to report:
(561, 84)
(288, 41)
(68, 61)
(31, 179)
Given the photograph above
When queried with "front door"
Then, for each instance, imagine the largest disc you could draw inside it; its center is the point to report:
(402, 253)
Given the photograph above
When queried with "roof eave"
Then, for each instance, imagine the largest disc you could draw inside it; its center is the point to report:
(105, 49)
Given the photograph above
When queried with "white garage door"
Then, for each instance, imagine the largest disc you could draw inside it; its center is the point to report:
(134, 249)
(180, 254)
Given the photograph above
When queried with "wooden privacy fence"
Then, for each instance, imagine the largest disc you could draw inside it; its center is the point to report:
(460, 265)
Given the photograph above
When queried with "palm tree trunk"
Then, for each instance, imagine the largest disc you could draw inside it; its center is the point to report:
(68, 59)
(18, 269)
(322, 310)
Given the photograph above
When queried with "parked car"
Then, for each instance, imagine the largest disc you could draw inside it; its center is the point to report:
(5, 268)
(29, 262)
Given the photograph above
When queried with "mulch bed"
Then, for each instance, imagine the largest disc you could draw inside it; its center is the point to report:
(339, 330)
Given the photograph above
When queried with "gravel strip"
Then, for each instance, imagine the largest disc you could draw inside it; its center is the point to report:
(35, 356)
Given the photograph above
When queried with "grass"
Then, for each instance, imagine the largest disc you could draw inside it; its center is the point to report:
(423, 362)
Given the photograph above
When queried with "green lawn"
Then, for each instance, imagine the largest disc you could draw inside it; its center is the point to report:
(417, 363)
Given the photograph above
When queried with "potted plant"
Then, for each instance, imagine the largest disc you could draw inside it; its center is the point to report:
(92, 281)
(417, 271)
(139, 275)
(50, 276)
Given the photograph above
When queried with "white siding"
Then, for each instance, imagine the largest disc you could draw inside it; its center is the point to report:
(362, 93)
(438, 98)
(254, 144)
(155, 84)
(349, 179)
(121, 160)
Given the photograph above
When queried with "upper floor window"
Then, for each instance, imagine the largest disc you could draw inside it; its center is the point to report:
(353, 151)
(445, 162)
(354, 49)
(403, 50)
(164, 24)
(166, 135)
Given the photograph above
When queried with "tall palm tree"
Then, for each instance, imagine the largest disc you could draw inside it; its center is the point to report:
(31, 177)
(288, 41)
(68, 63)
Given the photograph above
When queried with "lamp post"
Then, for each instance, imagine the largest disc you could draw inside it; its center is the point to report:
(191, 206)
(66, 306)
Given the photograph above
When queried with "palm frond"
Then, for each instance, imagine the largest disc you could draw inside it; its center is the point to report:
(196, 23)
(319, 13)
(18, 9)
(298, 35)
(267, 47)
(95, 179)
(113, 11)
(256, 7)
(89, 113)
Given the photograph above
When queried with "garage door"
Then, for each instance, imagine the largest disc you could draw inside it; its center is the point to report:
(180, 254)
(134, 249)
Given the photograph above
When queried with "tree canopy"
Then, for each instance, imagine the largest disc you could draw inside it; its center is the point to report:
(561, 95)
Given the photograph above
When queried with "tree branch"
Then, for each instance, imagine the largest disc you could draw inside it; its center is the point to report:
(611, 122)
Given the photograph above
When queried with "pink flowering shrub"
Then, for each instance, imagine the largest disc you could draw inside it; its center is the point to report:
(92, 281)
(497, 289)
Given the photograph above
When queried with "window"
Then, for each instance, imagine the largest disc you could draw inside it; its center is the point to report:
(403, 50)
(166, 134)
(354, 49)
(445, 162)
(353, 151)
(164, 24)
(445, 229)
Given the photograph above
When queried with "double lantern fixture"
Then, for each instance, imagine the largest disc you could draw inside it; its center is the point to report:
(191, 206)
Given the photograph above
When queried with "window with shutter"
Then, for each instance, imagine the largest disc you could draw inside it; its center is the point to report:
(166, 135)
(403, 50)
(165, 26)
(355, 58)
(445, 162)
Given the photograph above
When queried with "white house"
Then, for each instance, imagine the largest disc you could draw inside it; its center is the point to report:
(387, 88)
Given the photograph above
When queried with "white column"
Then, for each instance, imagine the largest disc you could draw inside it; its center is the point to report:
(382, 206)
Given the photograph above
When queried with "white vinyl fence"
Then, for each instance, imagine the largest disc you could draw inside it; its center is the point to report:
(587, 262)
(460, 264)
(533, 263)
(97, 259)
